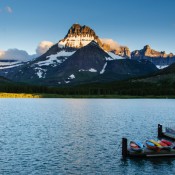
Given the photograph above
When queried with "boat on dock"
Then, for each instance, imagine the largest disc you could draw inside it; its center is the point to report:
(166, 142)
(136, 146)
(153, 145)
(146, 152)
(160, 148)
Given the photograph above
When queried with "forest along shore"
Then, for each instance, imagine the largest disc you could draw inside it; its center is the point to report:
(25, 95)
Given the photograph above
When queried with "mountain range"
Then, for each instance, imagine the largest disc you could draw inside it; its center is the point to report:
(160, 59)
(82, 57)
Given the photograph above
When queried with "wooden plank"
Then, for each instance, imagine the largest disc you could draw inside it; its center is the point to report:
(171, 136)
(150, 153)
(160, 155)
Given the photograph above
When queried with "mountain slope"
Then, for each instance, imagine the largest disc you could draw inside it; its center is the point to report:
(36, 70)
(2, 79)
(168, 70)
(87, 64)
(84, 64)
(126, 69)
(165, 76)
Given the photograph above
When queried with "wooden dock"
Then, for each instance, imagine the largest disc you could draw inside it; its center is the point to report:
(146, 153)
(162, 134)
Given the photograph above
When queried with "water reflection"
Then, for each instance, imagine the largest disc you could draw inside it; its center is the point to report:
(79, 136)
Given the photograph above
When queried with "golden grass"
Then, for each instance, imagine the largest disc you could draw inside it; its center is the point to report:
(15, 95)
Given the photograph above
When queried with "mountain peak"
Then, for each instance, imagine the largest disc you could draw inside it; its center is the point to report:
(79, 36)
(148, 53)
(77, 29)
(93, 43)
(147, 47)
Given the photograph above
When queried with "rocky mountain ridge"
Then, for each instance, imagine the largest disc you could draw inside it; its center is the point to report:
(147, 51)
(79, 36)
(158, 58)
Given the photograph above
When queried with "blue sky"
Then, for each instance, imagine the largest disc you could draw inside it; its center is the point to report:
(134, 23)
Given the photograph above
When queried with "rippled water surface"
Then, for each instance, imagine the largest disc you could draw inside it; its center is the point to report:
(79, 136)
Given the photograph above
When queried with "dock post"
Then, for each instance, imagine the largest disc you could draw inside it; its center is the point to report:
(160, 133)
(124, 147)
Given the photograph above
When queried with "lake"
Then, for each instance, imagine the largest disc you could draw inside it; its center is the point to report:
(79, 136)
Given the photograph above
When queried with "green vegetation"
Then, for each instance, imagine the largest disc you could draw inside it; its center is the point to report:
(23, 95)
(102, 96)
(123, 89)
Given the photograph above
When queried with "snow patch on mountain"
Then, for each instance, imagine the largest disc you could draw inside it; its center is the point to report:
(53, 59)
(67, 82)
(41, 73)
(103, 70)
(114, 56)
(109, 59)
(9, 65)
(92, 70)
(161, 67)
(89, 70)
(72, 76)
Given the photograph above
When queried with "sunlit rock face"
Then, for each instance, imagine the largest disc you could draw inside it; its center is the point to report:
(79, 36)
(160, 59)
(147, 51)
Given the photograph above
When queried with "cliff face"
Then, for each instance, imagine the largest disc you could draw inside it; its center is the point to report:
(79, 36)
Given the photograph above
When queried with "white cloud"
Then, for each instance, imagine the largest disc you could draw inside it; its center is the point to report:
(15, 54)
(2, 53)
(8, 9)
(43, 47)
(113, 44)
(21, 55)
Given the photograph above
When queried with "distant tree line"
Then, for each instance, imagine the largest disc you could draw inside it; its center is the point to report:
(118, 88)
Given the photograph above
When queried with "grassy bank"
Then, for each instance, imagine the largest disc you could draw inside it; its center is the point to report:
(20, 95)
(23, 95)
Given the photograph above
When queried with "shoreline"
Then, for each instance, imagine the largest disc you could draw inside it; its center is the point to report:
(26, 95)
(19, 95)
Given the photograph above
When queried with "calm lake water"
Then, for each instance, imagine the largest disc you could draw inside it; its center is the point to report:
(79, 136)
